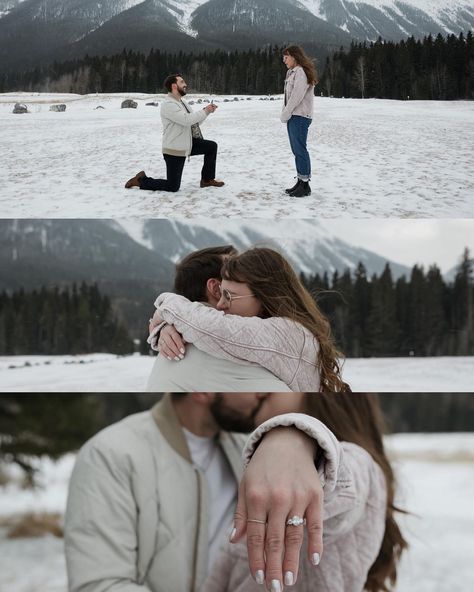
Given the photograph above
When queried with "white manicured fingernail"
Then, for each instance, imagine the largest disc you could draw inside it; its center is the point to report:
(275, 586)
(232, 534)
(169, 358)
(176, 359)
(289, 578)
(181, 357)
(182, 350)
(260, 577)
(316, 558)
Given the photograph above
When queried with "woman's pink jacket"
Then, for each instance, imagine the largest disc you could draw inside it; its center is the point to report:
(353, 527)
(282, 346)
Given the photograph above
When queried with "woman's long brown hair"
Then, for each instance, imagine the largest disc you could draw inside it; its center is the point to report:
(357, 418)
(272, 280)
(297, 52)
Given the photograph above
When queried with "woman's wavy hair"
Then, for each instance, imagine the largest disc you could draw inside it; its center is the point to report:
(357, 418)
(297, 52)
(273, 281)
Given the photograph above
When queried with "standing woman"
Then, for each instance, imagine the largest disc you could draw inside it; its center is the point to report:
(297, 113)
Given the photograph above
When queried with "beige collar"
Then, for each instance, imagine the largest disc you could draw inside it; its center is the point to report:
(168, 423)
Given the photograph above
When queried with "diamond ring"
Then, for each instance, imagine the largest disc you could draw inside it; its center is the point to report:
(296, 521)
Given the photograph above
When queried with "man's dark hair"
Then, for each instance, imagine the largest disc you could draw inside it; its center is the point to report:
(196, 268)
(170, 80)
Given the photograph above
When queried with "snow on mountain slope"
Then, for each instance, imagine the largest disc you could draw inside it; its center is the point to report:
(184, 10)
(309, 246)
(379, 17)
(433, 8)
(6, 6)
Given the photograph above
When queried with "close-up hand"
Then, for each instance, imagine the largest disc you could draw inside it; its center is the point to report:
(171, 344)
(211, 108)
(280, 482)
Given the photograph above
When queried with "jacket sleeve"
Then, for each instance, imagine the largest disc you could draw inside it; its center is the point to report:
(298, 93)
(360, 494)
(330, 466)
(275, 344)
(100, 525)
(172, 111)
(352, 481)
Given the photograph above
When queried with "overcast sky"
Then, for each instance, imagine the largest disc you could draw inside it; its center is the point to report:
(409, 241)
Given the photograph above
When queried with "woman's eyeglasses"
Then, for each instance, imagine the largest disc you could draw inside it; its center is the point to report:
(228, 297)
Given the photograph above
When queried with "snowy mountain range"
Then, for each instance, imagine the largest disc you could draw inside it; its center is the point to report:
(55, 251)
(36, 30)
(133, 260)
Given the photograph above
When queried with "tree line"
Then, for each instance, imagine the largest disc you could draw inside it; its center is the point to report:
(249, 72)
(33, 425)
(438, 68)
(51, 321)
(377, 316)
(422, 315)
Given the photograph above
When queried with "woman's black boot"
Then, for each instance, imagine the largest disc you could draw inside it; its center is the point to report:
(303, 190)
(295, 186)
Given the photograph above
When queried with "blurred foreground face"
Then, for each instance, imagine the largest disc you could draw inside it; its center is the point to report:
(236, 412)
(279, 403)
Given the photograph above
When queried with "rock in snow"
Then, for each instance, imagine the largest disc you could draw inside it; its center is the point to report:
(129, 104)
(20, 108)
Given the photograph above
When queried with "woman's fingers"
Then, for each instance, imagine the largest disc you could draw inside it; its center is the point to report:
(276, 491)
(256, 549)
(250, 519)
(255, 517)
(168, 352)
(177, 340)
(294, 536)
(275, 544)
(314, 524)
(171, 343)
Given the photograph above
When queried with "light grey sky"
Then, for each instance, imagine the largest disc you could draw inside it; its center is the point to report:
(409, 241)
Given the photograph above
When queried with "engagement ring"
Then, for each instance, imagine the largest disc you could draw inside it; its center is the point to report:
(296, 521)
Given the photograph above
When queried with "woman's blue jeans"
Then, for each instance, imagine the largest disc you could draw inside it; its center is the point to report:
(298, 134)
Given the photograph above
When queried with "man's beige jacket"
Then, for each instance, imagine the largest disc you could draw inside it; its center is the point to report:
(177, 122)
(137, 508)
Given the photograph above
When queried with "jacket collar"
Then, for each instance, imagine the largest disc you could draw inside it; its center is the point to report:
(171, 97)
(167, 422)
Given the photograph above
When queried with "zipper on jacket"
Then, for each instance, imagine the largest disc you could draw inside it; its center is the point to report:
(198, 530)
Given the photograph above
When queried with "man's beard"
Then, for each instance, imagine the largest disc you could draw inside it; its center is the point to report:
(231, 420)
(182, 92)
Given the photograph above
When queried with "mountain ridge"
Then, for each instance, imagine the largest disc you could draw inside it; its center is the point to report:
(38, 31)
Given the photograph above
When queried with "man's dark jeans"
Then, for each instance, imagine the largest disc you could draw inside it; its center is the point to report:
(175, 165)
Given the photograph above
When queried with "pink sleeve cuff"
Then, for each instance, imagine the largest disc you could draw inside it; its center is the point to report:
(325, 439)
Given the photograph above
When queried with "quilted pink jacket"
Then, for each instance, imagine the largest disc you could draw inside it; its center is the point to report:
(353, 526)
(282, 346)
(299, 95)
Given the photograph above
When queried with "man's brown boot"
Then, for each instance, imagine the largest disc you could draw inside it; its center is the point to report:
(135, 181)
(212, 183)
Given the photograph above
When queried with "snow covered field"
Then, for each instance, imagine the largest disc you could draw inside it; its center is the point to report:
(436, 485)
(371, 158)
(110, 373)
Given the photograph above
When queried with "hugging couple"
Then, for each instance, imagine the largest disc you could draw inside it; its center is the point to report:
(241, 322)
(162, 502)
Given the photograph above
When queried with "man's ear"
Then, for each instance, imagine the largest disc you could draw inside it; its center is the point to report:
(213, 290)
